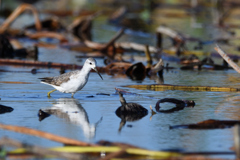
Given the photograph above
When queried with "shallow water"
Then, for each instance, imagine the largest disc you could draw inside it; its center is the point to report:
(91, 117)
(27, 99)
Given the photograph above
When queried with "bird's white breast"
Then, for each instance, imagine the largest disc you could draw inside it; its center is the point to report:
(75, 83)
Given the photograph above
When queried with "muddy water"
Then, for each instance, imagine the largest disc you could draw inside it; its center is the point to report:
(90, 116)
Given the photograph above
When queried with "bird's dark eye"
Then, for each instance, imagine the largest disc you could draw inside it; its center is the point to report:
(90, 63)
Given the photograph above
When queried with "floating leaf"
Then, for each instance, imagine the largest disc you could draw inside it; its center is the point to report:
(163, 87)
(209, 124)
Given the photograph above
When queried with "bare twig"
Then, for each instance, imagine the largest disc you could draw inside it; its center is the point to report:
(46, 135)
(227, 59)
(148, 56)
(99, 46)
(135, 46)
(40, 151)
(17, 12)
(78, 20)
(38, 63)
(171, 33)
(40, 34)
(118, 35)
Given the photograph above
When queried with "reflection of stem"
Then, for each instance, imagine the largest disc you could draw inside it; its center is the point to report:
(49, 34)
(122, 123)
(100, 120)
(17, 12)
(152, 113)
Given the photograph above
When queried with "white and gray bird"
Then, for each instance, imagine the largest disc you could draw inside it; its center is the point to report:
(73, 81)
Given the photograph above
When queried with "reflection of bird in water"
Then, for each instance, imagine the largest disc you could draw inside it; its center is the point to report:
(129, 111)
(73, 81)
(72, 110)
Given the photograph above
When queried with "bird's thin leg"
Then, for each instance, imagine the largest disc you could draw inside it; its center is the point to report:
(48, 94)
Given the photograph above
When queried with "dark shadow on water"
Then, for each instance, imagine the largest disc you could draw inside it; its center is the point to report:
(129, 118)
(5, 109)
(71, 110)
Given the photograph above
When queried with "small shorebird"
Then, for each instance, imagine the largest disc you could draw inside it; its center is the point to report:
(73, 81)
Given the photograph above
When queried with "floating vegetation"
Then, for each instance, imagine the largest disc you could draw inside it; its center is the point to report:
(14, 82)
(179, 105)
(134, 40)
(163, 87)
(209, 124)
(69, 152)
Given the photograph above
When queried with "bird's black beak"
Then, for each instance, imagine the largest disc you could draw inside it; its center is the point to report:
(95, 69)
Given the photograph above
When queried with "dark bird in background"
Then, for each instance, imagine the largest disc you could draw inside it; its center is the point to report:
(129, 108)
(129, 111)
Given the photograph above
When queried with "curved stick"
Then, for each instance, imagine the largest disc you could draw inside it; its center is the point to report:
(17, 12)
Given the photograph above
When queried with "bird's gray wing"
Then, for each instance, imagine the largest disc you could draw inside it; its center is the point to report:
(58, 80)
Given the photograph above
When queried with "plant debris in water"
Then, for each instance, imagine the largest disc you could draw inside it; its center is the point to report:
(132, 18)
(129, 111)
(180, 104)
(209, 124)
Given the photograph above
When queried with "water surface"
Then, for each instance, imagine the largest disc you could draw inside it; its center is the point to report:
(91, 117)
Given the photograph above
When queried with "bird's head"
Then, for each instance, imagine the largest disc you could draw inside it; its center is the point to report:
(92, 63)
